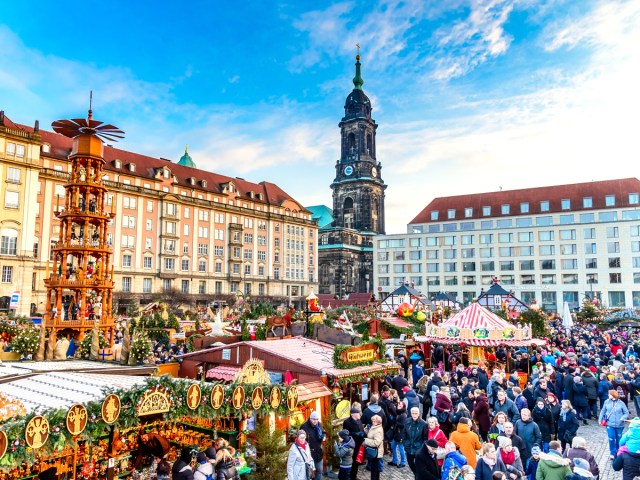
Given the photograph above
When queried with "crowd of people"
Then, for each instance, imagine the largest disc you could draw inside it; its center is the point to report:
(487, 422)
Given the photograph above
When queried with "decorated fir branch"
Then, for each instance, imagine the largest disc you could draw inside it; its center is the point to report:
(176, 392)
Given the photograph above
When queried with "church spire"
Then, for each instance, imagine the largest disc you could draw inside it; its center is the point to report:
(357, 80)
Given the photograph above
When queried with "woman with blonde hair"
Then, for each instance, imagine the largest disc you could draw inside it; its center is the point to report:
(489, 463)
(567, 424)
(225, 466)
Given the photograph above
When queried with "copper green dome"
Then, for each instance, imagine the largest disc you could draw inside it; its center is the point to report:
(186, 159)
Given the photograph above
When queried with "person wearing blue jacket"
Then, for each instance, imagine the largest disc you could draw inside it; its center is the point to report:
(614, 412)
(453, 458)
(603, 389)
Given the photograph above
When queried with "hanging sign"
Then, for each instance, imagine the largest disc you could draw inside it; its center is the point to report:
(275, 398)
(76, 419)
(237, 399)
(15, 299)
(361, 353)
(292, 397)
(111, 408)
(194, 395)
(217, 397)
(257, 397)
(343, 409)
(4, 443)
(37, 432)
(153, 402)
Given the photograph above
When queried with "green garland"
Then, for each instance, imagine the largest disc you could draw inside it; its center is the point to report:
(176, 389)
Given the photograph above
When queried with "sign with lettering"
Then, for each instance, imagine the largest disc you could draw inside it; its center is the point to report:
(362, 353)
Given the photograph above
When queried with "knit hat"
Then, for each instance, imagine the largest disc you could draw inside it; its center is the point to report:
(581, 463)
(614, 394)
(355, 410)
(431, 443)
(314, 416)
(201, 458)
(210, 453)
(535, 450)
(344, 435)
(503, 441)
(406, 389)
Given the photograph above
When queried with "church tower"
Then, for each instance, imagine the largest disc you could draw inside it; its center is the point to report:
(358, 189)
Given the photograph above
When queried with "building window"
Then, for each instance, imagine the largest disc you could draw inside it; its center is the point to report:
(185, 265)
(569, 264)
(9, 242)
(218, 267)
(633, 199)
(7, 274)
(616, 299)
(528, 279)
(544, 206)
(169, 264)
(126, 261)
(146, 285)
(202, 287)
(613, 232)
(613, 247)
(524, 207)
(569, 249)
(11, 199)
(610, 200)
(507, 265)
(565, 204)
(505, 237)
(615, 277)
(202, 266)
(614, 262)
(587, 202)
(434, 215)
(547, 264)
(126, 284)
(591, 263)
(590, 248)
(592, 278)
(147, 262)
(525, 236)
(486, 211)
(14, 175)
(185, 286)
(527, 265)
(548, 279)
(468, 212)
(203, 249)
(505, 209)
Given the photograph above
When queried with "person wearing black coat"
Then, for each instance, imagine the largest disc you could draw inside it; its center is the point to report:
(567, 386)
(567, 424)
(181, 469)
(629, 463)
(356, 431)
(426, 462)
(315, 436)
(580, 402)
(398, 383)
(543, 417)
(483, 379)
(591, 382)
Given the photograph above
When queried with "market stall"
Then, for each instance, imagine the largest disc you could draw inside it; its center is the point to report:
(477, 328)
(93, 430)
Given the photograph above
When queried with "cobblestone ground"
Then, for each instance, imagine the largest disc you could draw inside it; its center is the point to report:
(595, 434)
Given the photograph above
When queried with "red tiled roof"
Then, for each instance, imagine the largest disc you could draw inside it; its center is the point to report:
(146, 167)
(553, 194)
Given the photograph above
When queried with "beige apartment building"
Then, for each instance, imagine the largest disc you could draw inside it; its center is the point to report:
(176, 226)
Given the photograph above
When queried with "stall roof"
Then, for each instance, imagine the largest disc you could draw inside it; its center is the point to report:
(15, 370)
(226, 373)
(303, 351)
(64, 389)
(312, 390)
(477, 342)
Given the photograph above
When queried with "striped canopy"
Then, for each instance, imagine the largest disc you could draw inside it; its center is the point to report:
(478, 342)
(475, 316)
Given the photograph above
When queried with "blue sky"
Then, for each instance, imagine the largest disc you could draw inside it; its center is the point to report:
(470, 96)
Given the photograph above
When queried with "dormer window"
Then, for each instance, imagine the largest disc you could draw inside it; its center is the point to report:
(204, 184)
(468, 212)
(132, 167)
(46, 148)
(260, 196)
(117, 164)
(451, 213)
(192, 181)
(434, 215)
(231, 188)
(505, 209)
(166, 173)
(610, 200)
(565, 204)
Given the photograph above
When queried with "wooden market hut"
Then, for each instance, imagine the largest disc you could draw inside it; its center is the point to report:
(400, 295)
(498, 298)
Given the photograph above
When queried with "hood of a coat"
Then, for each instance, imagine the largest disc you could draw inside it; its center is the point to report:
(457, 457)
(463, 428)
(554, 460)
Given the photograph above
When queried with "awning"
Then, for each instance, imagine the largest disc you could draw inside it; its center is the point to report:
(312, 390)
(223, 372)
(475, 342)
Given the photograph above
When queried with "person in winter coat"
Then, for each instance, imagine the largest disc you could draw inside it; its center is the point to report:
(404, 364)
(356, 431)
(426, 464)
(300, 462)
(510, 456)
(567, 384)
(552, 466)
(529, 431)
(497, 428)
(542, 416)
(580, 401)
(629, 463)
(603, 389)
(631, 439)
(375, 439)
(461, 412)
(163, 470)
(181, 469)
(516, 441)
(579, 450)
(467, 441)
(443, 404)
(344, 451)
(416, 372)
(580, 470)
(315, 437)
(452, 459)
(399, 457)
(554, 405)
(410, 398)
(567, 424)
(204, 468)
(433, 431)
(532, 464)
(373, 409)
(415, 434)
(620, 384)
(489, 463)
(481, 414)
(505, 405)
(591, 382)
(225, 466)
(614, 412)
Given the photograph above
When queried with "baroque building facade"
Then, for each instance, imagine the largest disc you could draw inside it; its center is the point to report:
(346, 233)
(177, 228)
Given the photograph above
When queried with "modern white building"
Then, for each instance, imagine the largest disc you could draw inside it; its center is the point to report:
(552, 244)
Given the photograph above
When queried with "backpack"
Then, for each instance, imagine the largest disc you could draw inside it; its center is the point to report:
(454, 472)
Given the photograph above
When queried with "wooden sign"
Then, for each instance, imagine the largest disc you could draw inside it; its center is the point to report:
(111, 408)
(153, 402)
(257, 397)
(343, 409)
(4, 443)
(194, 395)
(275, 398)
(292, 397)
(361, 353)
(253, 372)
(217, 397)
(76, 419)
(237, 399)
(37, 432)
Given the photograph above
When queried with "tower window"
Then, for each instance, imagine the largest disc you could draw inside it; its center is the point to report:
(369, 144)
(348, 212)
(351, 143)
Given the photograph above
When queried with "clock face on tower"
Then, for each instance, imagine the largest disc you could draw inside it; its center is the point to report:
(348, 170)
(374, 172)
